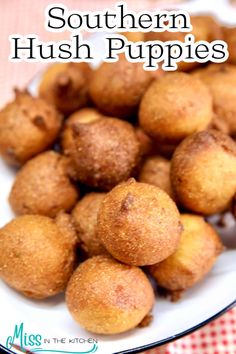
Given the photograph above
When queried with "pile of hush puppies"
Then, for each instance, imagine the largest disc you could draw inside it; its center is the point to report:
(118, 168)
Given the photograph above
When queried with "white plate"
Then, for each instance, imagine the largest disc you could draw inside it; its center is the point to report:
(51, 320)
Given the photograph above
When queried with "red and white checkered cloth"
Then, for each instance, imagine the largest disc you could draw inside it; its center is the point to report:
(218, 337)
(27, 16)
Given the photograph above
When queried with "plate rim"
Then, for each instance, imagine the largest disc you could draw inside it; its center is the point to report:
(163, 341)
(181, 334)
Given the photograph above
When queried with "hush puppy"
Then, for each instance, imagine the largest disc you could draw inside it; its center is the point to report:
(65, 85)
(139, 224)
(104, 150)
(117, 88)
(43, 186)
(196, 254)
(28, 126)
(156, 171)
(108, 297)
(221, 81)
(203, 172)
(36, 255)
(85, 220)
(174, 107)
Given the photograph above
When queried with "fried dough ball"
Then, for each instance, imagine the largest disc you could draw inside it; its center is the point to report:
(108, 297)
(230, 39)
(196, 254)
(84, 115)
(43, 186)
(37, 256)
(104, 150)
(117, 88)
(203, 172)
(138, 223)
(205, 28)
(221, 81)
(85, 219)
(65, 85)
(174, 107)
(156, 171)
(28, 126)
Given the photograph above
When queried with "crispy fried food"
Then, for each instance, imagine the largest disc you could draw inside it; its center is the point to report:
(85, 218)
(203, 172)
(28, 126)
(43, 186)
(104, 151)
(65, 85)
(139, 224)
(117, 88)
(174, 107)
(221, 81)
(156, 171)
(37, 255)
(108, 297)
(195, 256)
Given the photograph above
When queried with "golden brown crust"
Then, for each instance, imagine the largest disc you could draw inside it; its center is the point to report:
(138, 223)
(156, 171)
(28, 126)
(174, 107)
(36, 258)
(85, 219)
(221, 81)
(108, 297)
(203, 172)
(43, 187)
(117, 88)
(65, 85)
(104, 151)
(196, 254)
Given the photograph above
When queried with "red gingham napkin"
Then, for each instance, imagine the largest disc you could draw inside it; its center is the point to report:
(27, 16)
(218, 337)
